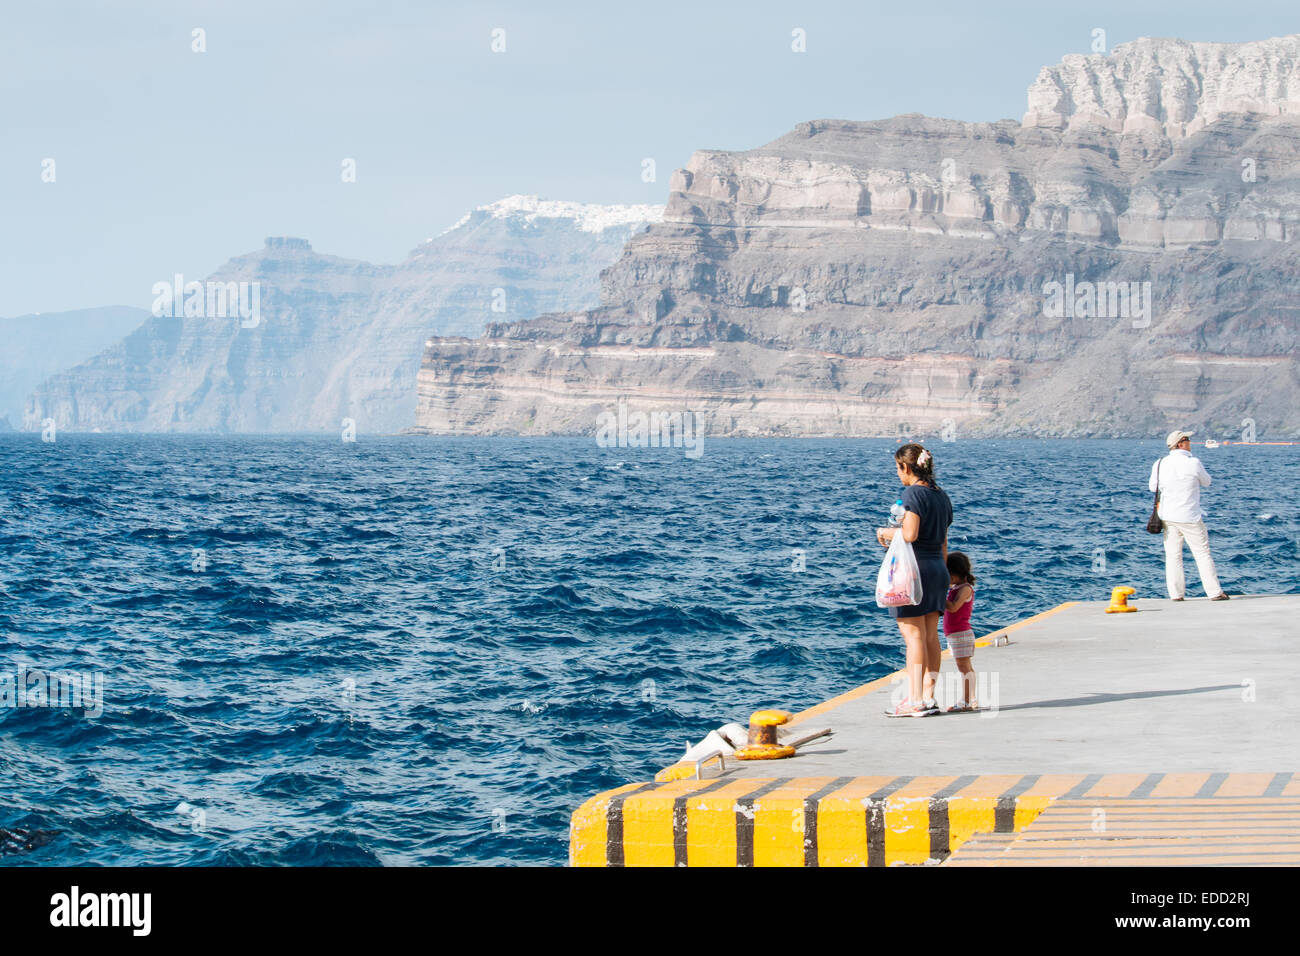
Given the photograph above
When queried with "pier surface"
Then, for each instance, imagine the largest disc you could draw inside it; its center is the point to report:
(1166, 735)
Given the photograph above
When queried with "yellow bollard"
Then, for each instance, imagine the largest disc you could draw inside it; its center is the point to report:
(1119, 600)
(762, 743)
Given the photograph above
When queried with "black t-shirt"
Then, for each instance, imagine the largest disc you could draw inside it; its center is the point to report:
(934, 508)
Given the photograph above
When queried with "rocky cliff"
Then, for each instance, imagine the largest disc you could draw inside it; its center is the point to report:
(1168, 88)
(1122, 261)
(334, 338)
(34, 347)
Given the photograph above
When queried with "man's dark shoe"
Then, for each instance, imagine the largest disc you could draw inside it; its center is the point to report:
(1219, 597)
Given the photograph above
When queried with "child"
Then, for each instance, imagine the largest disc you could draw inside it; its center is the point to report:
(956, 627)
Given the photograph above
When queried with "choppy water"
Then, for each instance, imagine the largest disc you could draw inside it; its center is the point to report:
(429, 651)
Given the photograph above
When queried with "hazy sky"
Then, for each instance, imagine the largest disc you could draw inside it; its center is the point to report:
(167, 160)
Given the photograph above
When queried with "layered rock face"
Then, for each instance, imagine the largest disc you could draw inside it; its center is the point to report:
(932, 276)
(338, 338)
(1168, 88)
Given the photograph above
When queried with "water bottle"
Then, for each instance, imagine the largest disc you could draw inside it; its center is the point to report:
(896, 514)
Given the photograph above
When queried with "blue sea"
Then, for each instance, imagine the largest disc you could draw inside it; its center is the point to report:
(412, 650)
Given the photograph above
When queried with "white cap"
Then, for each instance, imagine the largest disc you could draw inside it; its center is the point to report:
(1176, 436)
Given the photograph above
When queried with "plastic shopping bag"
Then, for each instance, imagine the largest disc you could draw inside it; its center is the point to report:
(899, 580)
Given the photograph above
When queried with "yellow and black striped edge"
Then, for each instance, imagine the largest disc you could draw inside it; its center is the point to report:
(857, 821)
(1166, 831)
(680, 771)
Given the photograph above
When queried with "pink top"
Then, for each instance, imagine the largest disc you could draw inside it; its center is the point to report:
(954, 622)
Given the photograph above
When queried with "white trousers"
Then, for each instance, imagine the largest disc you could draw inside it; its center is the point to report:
(1199, 541)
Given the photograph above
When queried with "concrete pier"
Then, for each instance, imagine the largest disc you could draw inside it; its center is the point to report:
(1162, 736)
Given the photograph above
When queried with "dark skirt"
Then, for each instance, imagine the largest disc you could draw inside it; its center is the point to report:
(934, 589)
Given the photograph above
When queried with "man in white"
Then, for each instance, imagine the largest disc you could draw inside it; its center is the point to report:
(1181, 477)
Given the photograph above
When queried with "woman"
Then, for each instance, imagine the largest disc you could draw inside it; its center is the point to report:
(925, 525)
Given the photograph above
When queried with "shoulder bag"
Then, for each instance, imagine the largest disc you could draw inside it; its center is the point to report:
(1154, 524)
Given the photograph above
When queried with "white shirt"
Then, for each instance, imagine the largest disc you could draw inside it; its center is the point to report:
(1182, 476)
